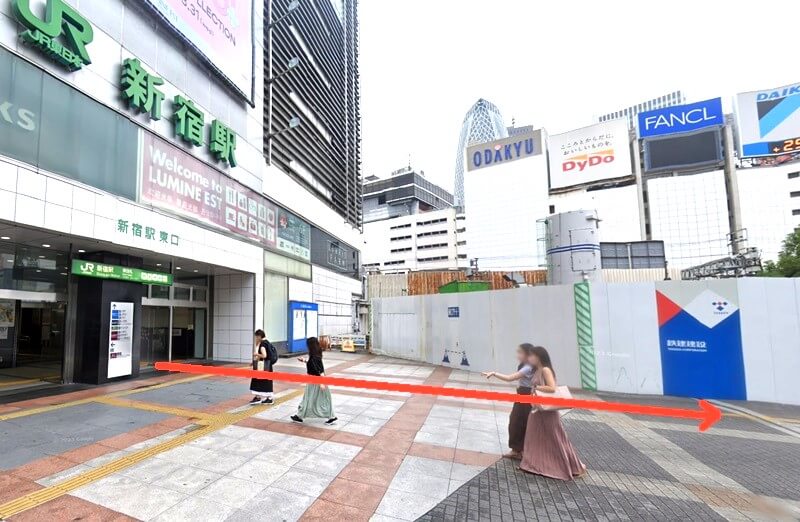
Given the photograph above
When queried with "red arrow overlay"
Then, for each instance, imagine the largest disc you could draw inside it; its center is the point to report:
(708, 414)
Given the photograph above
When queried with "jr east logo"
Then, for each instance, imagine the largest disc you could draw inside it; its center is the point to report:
(62, 33)
(581, 162)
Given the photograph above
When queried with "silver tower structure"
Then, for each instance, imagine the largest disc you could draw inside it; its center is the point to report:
(482, 123)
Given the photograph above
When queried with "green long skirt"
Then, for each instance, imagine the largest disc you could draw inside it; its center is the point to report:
(316, 403)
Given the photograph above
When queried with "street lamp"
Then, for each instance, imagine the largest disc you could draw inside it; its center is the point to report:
(291, 64)
(294, 4)
(293, 123)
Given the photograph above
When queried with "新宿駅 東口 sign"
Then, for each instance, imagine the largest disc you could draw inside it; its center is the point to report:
(681, 118)
(590, 154)
(62, 35)
(504, 151)
(119, 273)
(769, 121)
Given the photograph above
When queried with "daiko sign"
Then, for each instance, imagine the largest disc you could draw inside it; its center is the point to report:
(504, 151)
(769, 121)
(681, 118)
(590, 154)
(63, 33)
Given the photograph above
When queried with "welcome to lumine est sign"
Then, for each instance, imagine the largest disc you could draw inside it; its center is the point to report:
(119, 273)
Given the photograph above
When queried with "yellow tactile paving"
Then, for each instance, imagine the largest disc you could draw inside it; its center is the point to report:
(52, 407)
(157, 408)
(216, 422)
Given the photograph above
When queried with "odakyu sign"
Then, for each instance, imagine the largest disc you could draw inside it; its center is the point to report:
(681, 118)
(505, 150)
(700, 337)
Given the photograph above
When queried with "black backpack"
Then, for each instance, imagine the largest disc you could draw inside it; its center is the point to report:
(272, 352)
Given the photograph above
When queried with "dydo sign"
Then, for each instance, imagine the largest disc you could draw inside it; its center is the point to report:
(590, 154)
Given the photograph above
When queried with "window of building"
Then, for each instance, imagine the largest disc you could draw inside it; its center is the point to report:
(461, 230)
(434, 233)
(795, 194)
(552, 209)
(796, 212)
(394, 263)
(398, 227)
(429, 247)
(431, 222)
(400, 238)
(432, 259)
(382, 201)
(793, 175)
(462, 256)
(398, 250)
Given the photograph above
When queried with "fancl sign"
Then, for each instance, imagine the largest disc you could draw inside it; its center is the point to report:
(62, 34)
(681, 118)
(120, 273)
(504, 151)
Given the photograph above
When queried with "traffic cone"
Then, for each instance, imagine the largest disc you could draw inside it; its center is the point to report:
(464, 361)
(446, 358)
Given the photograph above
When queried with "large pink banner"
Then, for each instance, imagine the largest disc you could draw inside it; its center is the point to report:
(177, 181)
(221, 29)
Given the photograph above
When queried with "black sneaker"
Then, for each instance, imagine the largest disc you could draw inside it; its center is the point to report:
(267, 401)
(255, 399)
(331, 421)
(295, 418)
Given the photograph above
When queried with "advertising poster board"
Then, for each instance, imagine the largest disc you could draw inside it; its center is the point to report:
(220, 30)
(8, 313)
(700, 337)
(769, 121)
(294, 235)
(681, 118)
(684, 151)
(120, 340)
(591, 154)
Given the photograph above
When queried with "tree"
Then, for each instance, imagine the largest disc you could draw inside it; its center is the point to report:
(788, 264)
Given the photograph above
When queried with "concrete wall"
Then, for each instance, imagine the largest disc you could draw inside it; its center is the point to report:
(752, 324)
(488, 330)
(334, 294)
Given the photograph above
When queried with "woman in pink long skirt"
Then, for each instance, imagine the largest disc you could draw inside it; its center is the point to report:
(548, 451)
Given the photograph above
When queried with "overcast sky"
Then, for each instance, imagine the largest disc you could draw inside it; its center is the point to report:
(556, 64)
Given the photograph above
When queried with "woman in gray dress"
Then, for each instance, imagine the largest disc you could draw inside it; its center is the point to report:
(317, 400)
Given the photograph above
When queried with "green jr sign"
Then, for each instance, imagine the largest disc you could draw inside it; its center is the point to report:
(63, 34)
(120, 273)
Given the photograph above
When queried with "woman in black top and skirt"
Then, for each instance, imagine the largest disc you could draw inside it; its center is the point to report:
(317, 400)
(261, 388)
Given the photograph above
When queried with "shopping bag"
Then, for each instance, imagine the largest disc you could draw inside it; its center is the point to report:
(562, 392)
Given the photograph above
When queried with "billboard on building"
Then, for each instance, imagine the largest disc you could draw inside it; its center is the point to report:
(220, 30)
(505, 150)
(769, 121)
(681, 118)
(176, 181)
(684, 151)
(699, 329)
(591, 154)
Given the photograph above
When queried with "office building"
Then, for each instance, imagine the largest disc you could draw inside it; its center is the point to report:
(482, 123)
(430, 240)
(139, 221)
(311, 73)
(410, 224)
(630, 113)
(506, 199)
(404, 193)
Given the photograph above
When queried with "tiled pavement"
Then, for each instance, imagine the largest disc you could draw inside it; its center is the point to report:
(177, 448)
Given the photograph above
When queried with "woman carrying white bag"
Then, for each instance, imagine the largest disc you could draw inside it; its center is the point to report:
(548, 451)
